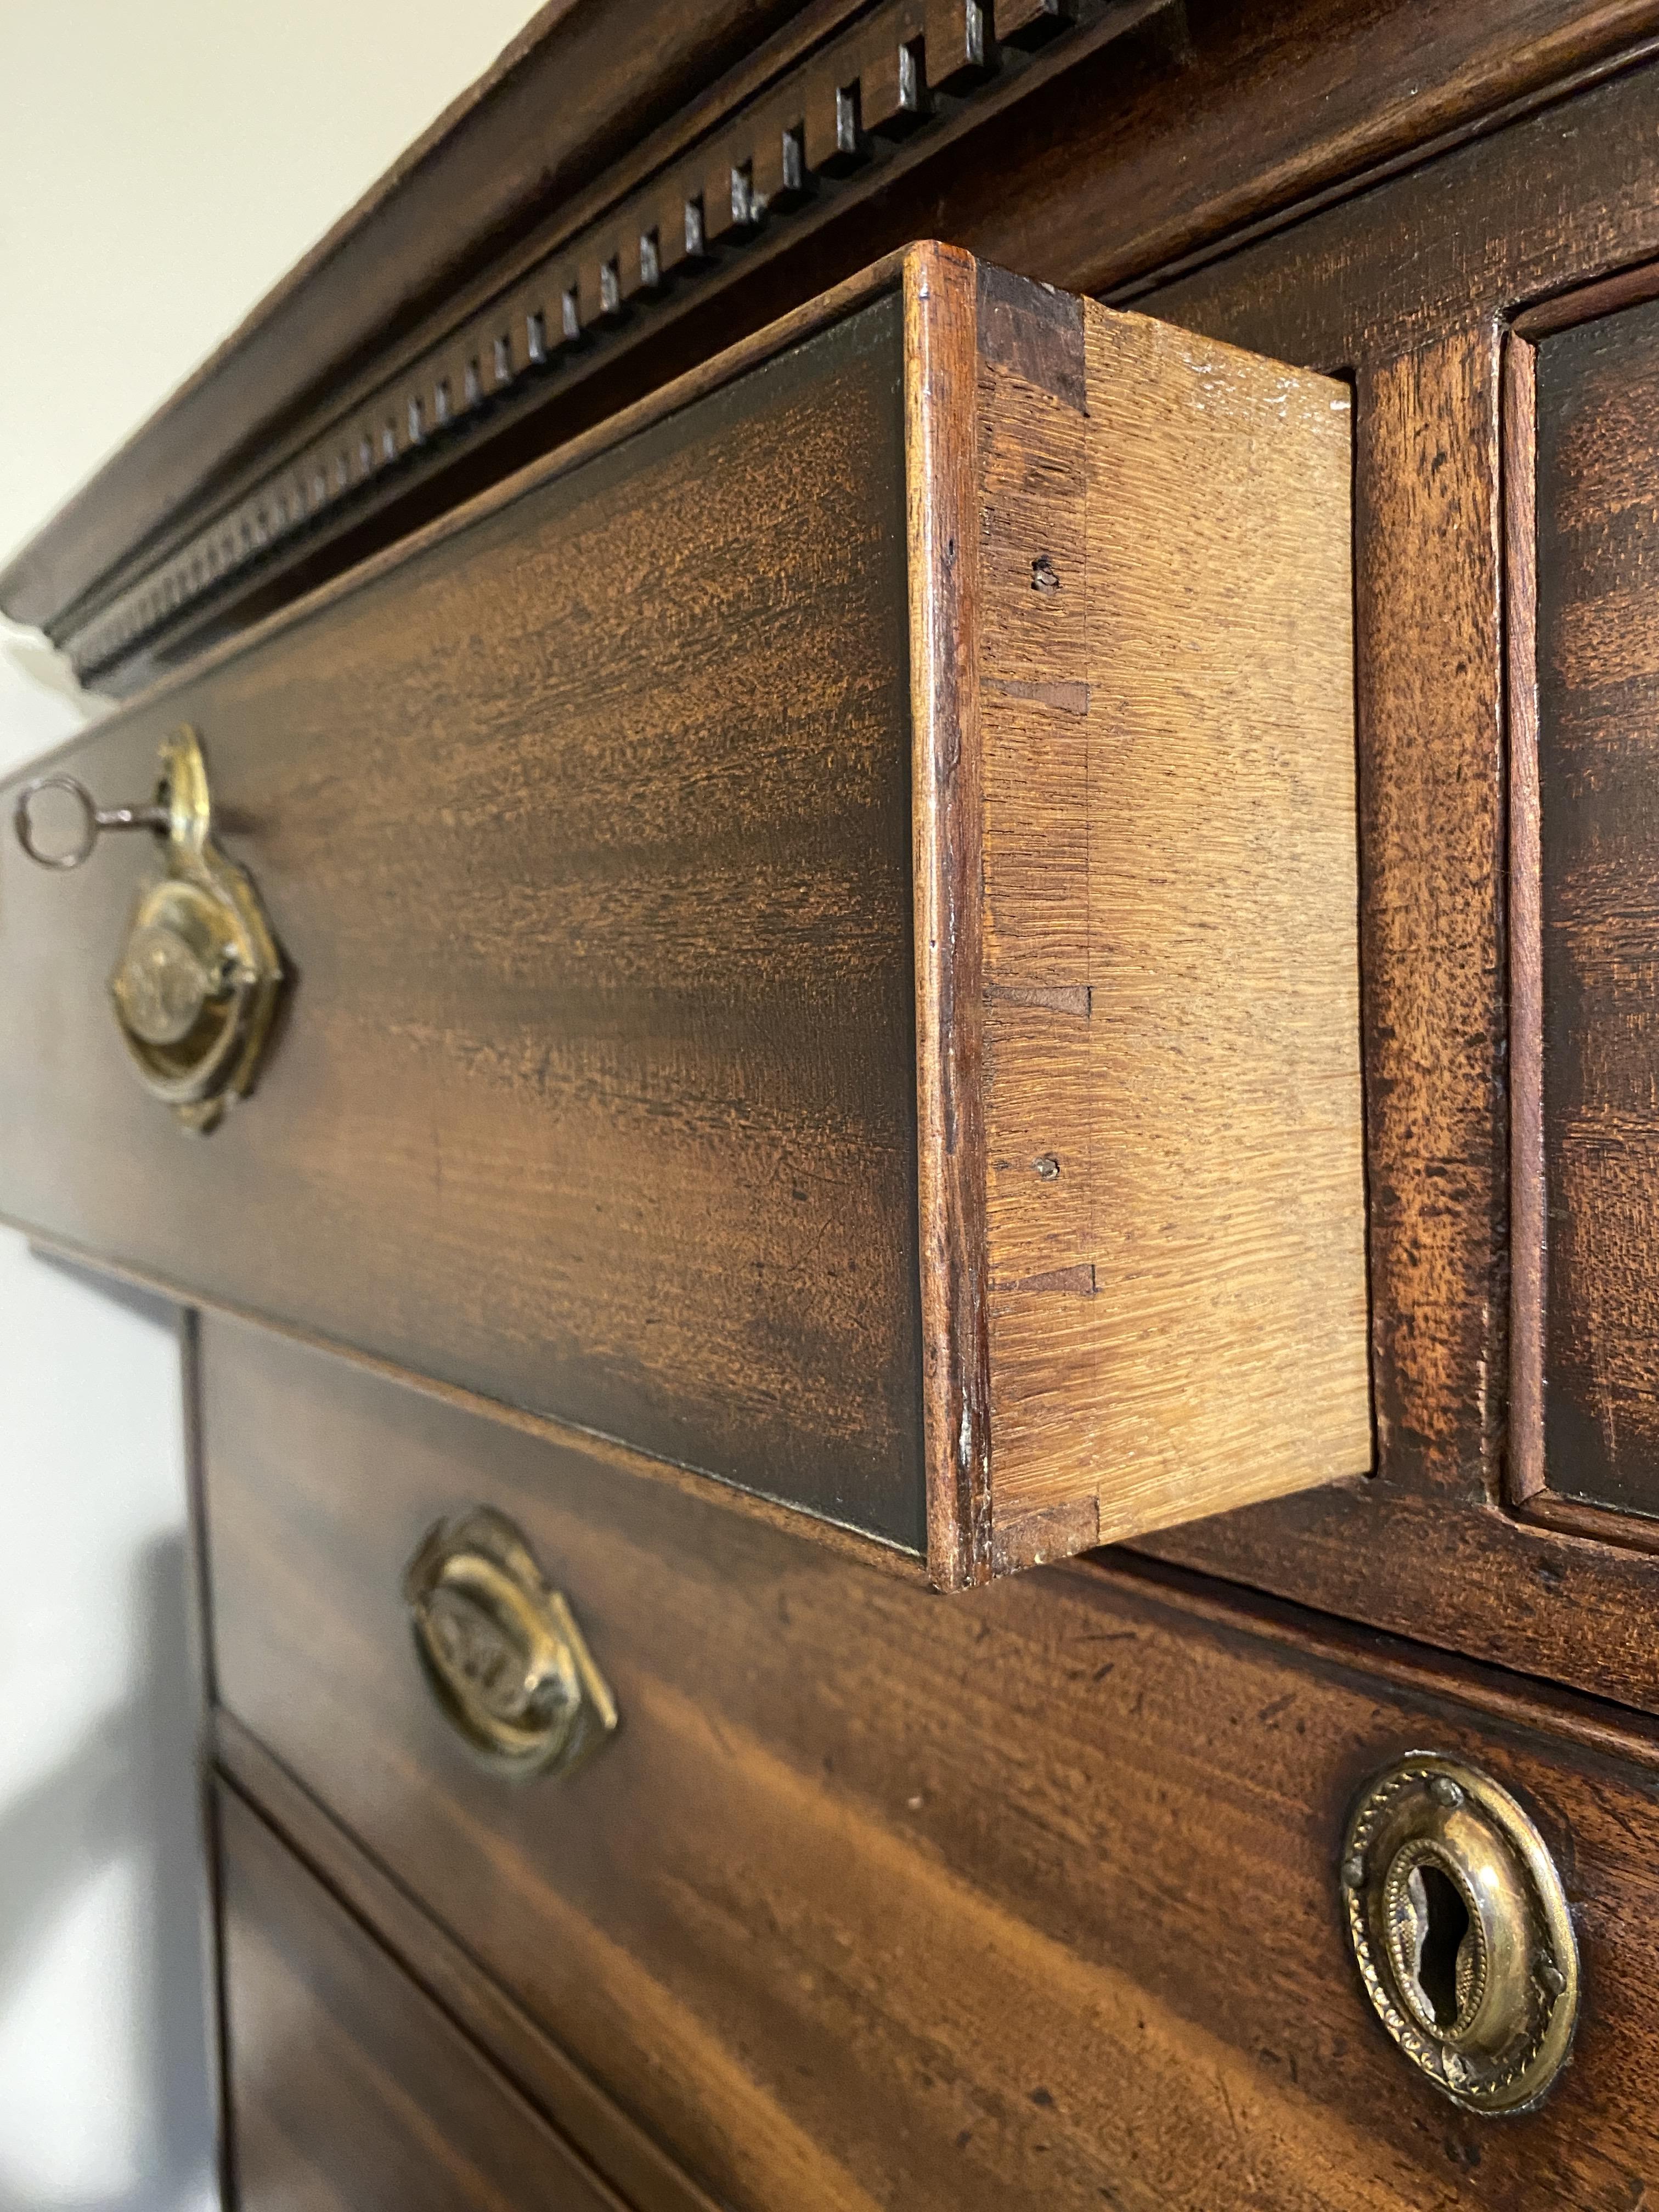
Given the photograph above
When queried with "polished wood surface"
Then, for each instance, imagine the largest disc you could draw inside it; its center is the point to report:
(1027, 1898)
(585, 831)
(1598, 657)
(584, 2114)
(347, 2091)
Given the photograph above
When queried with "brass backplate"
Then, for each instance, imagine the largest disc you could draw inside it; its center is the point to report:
(197, 985)
(1461, 1930)
(501, 1651)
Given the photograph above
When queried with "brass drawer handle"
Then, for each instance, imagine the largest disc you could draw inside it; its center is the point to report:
(1460, 1927)
(196, 987)
(501, 1651)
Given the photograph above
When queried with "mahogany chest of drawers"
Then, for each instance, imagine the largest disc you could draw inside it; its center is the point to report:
(883, 998)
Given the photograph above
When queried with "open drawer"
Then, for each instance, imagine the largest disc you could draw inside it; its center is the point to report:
(813, 931)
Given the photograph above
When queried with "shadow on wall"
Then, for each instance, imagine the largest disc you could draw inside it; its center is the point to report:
(124, 1791)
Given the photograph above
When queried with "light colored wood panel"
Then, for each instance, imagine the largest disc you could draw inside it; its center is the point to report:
(1034, 632)
(1039, 1190)
(1205, 1343)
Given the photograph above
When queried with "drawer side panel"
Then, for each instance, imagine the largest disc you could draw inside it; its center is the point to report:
(1175, 1116)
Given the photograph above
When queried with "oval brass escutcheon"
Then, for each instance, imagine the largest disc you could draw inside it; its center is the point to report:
(501, 1650)
(1461, 1930)
(194, 989)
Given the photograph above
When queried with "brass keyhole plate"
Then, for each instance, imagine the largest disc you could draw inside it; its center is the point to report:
(1461, 1931)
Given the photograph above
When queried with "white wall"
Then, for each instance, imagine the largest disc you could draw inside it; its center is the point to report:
(160, 167)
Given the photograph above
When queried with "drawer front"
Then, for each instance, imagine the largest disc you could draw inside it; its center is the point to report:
(346, 2088)
(1026, 1898)
(586, 835)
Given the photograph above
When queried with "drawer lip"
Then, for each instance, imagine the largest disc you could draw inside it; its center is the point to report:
(265, 1889)
(622, 2156)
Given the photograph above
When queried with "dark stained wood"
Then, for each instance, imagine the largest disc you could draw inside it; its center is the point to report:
(1586, 303)
(349, 2089)
(1141, 132)
(1598, 677)
(1431, 690)
(1028, 1898)
(1551, 203)
(589, 2119)
(587, 836)
(1257, 111)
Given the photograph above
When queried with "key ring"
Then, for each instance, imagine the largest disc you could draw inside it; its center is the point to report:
(95, 819)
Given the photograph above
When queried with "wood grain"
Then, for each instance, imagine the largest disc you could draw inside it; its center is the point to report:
(584, 2115)
(586, 830)
(1175, 1122)
(942, 430)
(1430, 709)
(349, 2091)
(1528, 1242)
(1598, 674)
(1025, 1900)
(1424, 1549)
(1137, 1019)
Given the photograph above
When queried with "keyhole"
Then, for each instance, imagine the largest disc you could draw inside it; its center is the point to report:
(1442, 1921)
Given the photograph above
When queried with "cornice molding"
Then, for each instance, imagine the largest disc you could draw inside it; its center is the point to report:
(1088, 142)
(582, 86)
(883, 92)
